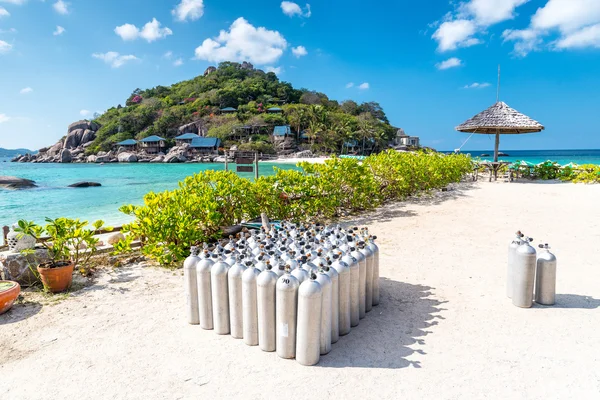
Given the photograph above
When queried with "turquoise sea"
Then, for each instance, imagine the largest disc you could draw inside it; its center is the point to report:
(121, 184)
(537, 156)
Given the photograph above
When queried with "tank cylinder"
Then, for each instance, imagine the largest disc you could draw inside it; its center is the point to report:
(375, 249)
(335, 302)
(362, 281)
(190, 280)
(512, 253)
(354, 288)
(325, 338)
(220, 297)
(344, 313)
(364, 249)
(308, 347)
(286, 304)
(234, 283)
(545, 277)
(203, 270)
(250, 305)
(524, 275)
(301, 274)
(266, 286)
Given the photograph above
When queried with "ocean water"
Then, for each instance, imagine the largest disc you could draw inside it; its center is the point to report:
(121, 184)
(537, 156)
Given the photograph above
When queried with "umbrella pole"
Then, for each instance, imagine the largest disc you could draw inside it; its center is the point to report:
(496, 147)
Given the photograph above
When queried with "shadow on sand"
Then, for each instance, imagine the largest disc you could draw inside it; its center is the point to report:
(383, 337)
(573, 301)
(20, 312)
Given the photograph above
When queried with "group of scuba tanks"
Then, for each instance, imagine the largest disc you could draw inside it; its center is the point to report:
(531, 276)
(294, 289)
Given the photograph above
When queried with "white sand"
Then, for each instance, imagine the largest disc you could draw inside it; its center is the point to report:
(444, 329)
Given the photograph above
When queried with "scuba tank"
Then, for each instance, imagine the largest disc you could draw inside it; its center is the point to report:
(326, 301)
(545, 277)
(335, 301)
(354, 288)
(364, 249)
(308, 348)
(362, 269)
(234, 283)
(265, 290)
(286, 304)
(524, 275)
(190, 280)
(204, 290)
(343, 271)
(375, 250)
(512, 253)
(250, 304)
(220, 297)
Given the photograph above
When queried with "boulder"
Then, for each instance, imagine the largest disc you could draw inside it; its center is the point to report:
(18, 267)
(127, 157)
(54, 150)
(91, 159)
(65, 156)
(104, 157)
(157, 159)
(88, 136)
(81, 124)
(73, 139)
(175, 158)
(12, 182)
(84, 184)
(115, 238)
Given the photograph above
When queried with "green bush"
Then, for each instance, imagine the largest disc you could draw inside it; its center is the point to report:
(170, 222)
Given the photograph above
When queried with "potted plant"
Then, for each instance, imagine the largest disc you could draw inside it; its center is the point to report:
(9, 291)
(69, 243)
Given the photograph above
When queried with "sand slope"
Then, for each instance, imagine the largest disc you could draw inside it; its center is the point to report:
(444, 329)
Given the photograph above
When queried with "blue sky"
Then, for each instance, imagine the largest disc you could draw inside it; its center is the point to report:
(431, 64)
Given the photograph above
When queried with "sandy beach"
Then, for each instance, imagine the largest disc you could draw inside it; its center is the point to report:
(444, 328)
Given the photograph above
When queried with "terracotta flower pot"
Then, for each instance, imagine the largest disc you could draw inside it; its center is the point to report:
(56, 279)
(9, 291)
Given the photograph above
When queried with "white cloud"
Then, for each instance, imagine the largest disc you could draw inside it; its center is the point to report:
(4, 12)
(85, 113)
(168, 55)
(243, 42)
(292, 9)
(59, 30)
(114, 59)
(61, 7)
(364, 86)
(16, 2)
(26, 90)
(178, 62)
(5, 47)
(449, 63)
(477, 85)
(471, 18)
(189, 9)
(276, 70)
(576, 21)
(4, 118)
(299, 51)
(349, 85)
(150, 32)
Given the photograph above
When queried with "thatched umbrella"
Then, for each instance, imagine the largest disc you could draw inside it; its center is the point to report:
(500, 119)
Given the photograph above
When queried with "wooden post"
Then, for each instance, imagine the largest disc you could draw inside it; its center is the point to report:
(496, 147)
(226, 164)
(256, 165)
(5, 230)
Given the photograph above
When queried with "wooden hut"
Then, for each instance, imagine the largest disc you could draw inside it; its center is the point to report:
(185, 138)
(153, 144)
(205, 145)
(129, 144)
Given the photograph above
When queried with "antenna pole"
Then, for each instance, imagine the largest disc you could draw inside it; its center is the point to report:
(498, 89)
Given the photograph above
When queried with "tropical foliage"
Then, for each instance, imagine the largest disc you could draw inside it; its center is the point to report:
(162, 110)
(588, 173)
(170, 222)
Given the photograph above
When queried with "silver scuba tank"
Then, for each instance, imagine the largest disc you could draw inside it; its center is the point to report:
(545, 277)
(362, 269)
(524, 275)
(265, 290)
(220, 297)
(250, 304)
(512, 252)
(308, 347)
(326, 302)
(364, 249)
(204, 290)
(344, 313)
(190, 280)
(234, 283)
(354, 288)
(301, 274)
(375, 250)
(335, 301)
(286, 304)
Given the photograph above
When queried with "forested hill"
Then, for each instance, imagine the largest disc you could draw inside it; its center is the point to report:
(165, 111)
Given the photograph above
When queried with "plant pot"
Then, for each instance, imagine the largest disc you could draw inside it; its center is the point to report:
(56, 279)
(9, 291)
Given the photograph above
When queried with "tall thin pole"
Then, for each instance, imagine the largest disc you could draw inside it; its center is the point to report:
(498, 88)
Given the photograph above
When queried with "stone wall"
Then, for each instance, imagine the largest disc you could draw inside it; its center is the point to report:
(18, 267)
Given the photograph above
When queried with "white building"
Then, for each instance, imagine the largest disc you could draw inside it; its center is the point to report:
(402, 139)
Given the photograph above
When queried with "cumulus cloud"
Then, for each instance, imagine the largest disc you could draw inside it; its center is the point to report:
(5, 47)
(178, 62)
(243, 42)
(59, 30)
(349, 85)
(577, 23)
(299, 51)
(364, 86)
(188, 10)
(292, 9)
(114, 59)
(472, 18)
(150, 32)
(4, 12)
(61, 7)
(449, 63)
(477, 85)
(4, 118)
(26, 90)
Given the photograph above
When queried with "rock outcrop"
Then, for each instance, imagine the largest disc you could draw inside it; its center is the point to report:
(12, 182)
(127, 157)
(85, 184)
(177, 154)
(198, 127)
(65, 156)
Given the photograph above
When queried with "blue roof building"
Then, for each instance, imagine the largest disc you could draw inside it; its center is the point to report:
(283, 130)
(151, 139)
(187, 136)
(228, 110)
(274, 110)
(128, 142)
(205, 143)
(153, 144)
